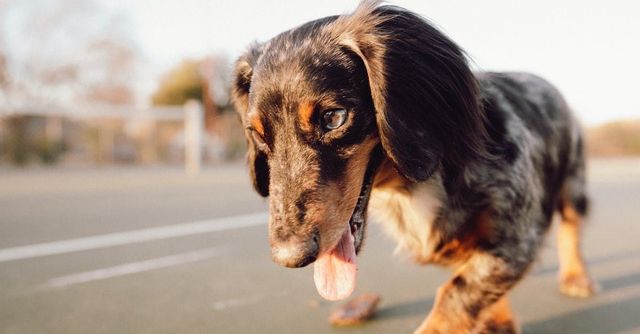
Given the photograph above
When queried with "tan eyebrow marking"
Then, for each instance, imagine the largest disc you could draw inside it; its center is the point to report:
(305, 111)
(256, 123)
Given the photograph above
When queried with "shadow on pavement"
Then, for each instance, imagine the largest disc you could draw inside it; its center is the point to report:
(594, 260)
(620, 282)
(610, 318)
(406, 309)
(613, 317)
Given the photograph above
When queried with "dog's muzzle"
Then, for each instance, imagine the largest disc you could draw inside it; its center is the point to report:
(296, 252)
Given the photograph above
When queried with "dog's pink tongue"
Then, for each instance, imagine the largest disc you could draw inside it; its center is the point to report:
(335, 272)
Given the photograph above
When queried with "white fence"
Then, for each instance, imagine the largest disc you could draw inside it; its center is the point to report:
(191, 115)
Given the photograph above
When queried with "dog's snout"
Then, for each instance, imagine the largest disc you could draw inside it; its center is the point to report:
(296, 253)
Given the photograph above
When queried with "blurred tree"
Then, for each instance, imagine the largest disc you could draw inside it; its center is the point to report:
(205, 80)
(180, 85)
(114, 85)
(58, 54)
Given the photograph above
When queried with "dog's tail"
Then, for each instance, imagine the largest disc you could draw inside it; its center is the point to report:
(574, 199)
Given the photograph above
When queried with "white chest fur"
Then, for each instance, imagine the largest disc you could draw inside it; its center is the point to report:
(408, 214)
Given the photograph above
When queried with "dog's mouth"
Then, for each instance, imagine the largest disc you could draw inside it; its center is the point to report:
(358, 219)
(335, 271)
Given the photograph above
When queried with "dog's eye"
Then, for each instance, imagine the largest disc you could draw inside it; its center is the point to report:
(259, 141)
(333, 119)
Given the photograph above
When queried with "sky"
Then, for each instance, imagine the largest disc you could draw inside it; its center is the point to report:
(589, 49)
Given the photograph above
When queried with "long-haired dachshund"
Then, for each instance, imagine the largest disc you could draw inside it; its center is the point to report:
(379, 111)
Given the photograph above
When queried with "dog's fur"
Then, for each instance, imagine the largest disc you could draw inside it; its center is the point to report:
(467, 168)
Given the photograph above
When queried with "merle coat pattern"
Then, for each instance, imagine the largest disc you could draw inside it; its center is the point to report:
(464, 169)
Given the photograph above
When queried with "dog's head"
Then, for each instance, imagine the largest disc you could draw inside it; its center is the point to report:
(323, 104)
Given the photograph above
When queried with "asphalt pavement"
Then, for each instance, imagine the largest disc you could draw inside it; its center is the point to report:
(151, 250)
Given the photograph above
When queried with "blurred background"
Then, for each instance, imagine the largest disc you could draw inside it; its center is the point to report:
(125, 205)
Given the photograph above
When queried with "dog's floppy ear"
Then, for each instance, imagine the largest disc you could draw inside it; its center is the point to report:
(425, 95)
(258, 164)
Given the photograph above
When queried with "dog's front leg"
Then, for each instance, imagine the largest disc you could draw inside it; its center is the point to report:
(477, 285)
(497, 319)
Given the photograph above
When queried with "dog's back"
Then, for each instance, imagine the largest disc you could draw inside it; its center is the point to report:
(529, 117)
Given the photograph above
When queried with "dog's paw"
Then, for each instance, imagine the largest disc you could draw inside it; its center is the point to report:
(578, 286)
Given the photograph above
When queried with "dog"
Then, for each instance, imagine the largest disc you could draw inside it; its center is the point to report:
(379, 112)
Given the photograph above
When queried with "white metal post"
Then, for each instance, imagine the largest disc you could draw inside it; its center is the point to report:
(193, 133)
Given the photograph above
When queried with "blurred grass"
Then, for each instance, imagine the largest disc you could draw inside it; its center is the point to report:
(619, 138)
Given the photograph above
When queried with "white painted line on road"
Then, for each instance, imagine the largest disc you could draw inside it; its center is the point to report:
(134, 267)
(135, 236)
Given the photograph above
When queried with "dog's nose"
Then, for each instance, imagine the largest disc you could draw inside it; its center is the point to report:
(295, 253)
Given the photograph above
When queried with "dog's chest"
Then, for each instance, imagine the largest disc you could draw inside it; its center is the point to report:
(408, 215)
